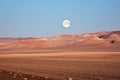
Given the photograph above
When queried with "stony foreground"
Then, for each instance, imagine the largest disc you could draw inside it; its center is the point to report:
(9, 75)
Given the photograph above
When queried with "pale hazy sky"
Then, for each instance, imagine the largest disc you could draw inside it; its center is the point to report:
(40, 18)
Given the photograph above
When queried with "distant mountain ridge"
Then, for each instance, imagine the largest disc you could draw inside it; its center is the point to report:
(100, 40)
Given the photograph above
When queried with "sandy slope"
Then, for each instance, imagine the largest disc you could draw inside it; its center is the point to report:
(102, 41)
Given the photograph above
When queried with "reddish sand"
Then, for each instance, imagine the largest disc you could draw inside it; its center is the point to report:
(64, 65)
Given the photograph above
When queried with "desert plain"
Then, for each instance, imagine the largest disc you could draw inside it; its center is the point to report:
(90, 56)
(61, 65)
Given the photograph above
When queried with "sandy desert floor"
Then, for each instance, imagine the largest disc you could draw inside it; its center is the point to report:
(60, 66)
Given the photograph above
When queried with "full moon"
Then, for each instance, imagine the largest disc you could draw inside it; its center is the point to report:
(66, 23)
